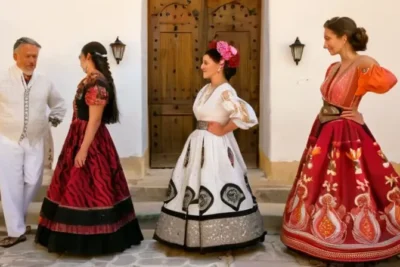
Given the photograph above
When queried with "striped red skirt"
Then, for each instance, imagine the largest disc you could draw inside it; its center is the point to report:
(88, 210)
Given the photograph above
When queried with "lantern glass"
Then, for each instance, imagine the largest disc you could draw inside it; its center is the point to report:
(118, 49)
(297, 50)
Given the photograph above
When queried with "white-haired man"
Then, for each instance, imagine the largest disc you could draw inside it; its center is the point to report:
(25, 96)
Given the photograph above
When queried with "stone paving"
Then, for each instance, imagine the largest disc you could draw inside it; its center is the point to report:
(272, 254)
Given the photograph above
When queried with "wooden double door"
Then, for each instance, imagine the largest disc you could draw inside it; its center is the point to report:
(179, 32)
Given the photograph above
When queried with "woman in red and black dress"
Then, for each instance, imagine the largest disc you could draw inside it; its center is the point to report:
(88, 208)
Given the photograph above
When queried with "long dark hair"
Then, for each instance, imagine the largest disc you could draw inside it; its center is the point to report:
(99, 57)
(216, 57)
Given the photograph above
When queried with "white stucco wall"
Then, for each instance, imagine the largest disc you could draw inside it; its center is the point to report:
(294, 90)
(62, 28)
(290, 98)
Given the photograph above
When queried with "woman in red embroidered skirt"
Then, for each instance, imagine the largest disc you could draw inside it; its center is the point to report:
(345, 202)
(88, 208)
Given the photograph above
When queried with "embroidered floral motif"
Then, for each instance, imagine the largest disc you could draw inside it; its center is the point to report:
(333, 155)
(171, 191)
(187, 199)
(355, 155)
(366, 228)
(232, 195)
(207, 92)
(96, 95)
(392, 212)
(312, 151)
(392, 180)
(386, 162)
(231, 157)
(206, 199)
(327, 222)
(300, 214)
(186, 161)
(330, 187)
(237, 106)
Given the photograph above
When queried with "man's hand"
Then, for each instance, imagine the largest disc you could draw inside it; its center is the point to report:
(54, 121)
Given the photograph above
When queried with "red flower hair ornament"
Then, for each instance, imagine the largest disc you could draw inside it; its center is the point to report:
(227, 52)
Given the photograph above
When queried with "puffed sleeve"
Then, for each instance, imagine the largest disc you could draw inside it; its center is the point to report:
(96, 95)
(241, 113)
(375, 79)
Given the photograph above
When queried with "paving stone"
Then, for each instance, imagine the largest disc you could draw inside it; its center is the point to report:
(150, 253)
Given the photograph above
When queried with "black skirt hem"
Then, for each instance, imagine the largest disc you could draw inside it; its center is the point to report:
(220, 248)
(90, 245)
(87, 217)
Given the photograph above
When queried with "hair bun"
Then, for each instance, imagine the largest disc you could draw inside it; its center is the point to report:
(359, 39)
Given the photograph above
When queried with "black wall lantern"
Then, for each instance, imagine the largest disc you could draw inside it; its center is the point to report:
(297, 50)
(118, 49)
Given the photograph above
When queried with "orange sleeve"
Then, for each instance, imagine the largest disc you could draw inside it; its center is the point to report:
(375, 79)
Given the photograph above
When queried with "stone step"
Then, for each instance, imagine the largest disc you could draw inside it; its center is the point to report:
(149, 212)
(153, 187)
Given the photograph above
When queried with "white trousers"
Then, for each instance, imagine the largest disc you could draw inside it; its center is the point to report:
(21, 174)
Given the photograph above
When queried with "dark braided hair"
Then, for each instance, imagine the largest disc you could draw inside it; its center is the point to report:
(99, 57)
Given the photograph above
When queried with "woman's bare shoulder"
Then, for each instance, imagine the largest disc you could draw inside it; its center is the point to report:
(366, 61)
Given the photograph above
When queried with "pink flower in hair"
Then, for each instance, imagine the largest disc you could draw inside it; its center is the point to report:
(224, 49)
(228, 53)
(233, 50)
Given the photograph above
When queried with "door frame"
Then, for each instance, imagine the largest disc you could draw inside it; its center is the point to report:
(264, 80)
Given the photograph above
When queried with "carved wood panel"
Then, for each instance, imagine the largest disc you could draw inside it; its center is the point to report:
(175, 54)
(238, 22)
(179, 32)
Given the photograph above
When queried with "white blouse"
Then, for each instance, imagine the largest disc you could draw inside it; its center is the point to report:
(223, 104)
(23, 107)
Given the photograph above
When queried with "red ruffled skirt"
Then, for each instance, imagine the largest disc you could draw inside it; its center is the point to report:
(88, 210)
(345, 202)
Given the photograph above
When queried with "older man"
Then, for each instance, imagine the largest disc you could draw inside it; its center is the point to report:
(25, 96)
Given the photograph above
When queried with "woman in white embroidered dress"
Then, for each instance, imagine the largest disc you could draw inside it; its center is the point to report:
(210, 205)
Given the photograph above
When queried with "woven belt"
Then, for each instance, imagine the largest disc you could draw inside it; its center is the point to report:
(202, 125)
(329, 112)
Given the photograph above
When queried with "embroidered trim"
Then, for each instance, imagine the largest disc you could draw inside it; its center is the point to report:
(26, 113)
(354, 256)
(202, 125)
(54, 121)
(84, 229)
(364, 70)
(307, 236)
